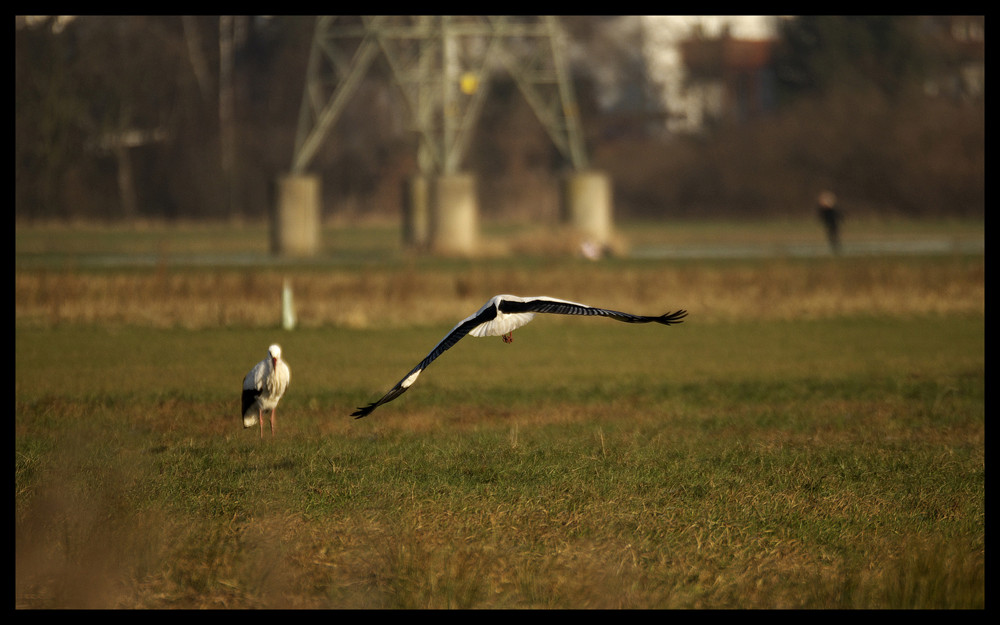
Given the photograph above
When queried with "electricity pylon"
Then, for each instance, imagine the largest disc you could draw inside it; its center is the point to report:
(442, 66)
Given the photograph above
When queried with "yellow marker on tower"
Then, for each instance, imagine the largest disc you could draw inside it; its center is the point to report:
(469, 83)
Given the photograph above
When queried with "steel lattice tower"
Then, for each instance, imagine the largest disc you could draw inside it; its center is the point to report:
(442, 66)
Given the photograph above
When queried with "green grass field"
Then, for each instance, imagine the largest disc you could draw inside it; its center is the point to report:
(813, 436)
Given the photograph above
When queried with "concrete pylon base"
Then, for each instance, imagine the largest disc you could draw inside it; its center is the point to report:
(295, 223)
(587, 206)
(454, 215)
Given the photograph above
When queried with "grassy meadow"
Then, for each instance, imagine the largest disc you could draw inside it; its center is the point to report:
(811, 437)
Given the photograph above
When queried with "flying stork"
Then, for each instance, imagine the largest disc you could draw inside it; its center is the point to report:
(263, 387)
(500, 317)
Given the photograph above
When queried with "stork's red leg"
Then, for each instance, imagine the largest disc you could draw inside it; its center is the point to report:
(274, 411)
(260, 420)
(509, 337)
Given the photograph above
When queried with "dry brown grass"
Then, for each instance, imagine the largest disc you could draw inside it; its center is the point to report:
(411, 294)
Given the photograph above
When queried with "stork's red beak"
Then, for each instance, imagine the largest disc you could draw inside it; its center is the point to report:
(274, 363)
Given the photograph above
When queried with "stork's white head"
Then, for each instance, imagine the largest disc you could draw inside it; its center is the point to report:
(274, 353)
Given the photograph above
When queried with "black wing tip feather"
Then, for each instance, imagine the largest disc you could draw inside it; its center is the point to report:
(364, 411)
(672, 318)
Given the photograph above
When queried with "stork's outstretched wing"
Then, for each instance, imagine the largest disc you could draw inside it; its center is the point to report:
(485, 314)
(563, 307)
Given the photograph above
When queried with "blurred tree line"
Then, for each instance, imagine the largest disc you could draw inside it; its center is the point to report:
(121, 118)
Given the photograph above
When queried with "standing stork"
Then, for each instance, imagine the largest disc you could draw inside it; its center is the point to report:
(500, 317)
(263, 388)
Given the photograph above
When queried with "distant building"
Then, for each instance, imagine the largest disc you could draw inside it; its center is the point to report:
(694, 68)
(962, 38)
(710, 67)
